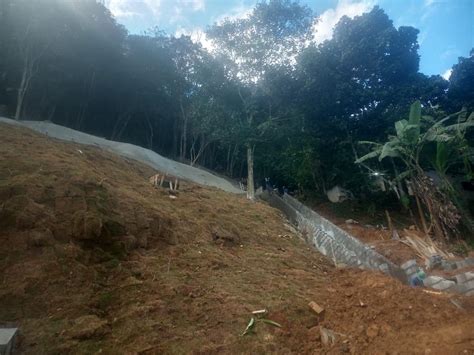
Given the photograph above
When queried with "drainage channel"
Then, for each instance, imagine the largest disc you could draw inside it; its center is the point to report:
(344, 249)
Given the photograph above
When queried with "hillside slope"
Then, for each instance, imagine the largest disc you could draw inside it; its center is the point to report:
(94, 259)
(146, 156)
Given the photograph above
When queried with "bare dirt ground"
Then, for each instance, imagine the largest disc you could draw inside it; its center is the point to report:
(93, 259)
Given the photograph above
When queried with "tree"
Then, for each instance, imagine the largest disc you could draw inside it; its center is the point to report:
(354, 87)
(250, 47)
(461, 83)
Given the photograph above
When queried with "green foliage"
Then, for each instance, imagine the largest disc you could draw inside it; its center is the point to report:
(250, 327)
(302, 104)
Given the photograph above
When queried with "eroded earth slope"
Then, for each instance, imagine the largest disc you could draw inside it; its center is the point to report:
(95, 259)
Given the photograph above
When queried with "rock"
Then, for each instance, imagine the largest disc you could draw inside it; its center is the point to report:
(438, 283)
(328, 337)
(338, 194)
(432, 280)
(467, 276)
(434, 261)
(408, 264)
(87, 327)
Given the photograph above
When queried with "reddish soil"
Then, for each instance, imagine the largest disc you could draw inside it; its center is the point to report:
(94, 259)
(375, 235)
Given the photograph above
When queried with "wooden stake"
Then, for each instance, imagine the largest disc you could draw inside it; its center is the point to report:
(389, 222)
(422, 216)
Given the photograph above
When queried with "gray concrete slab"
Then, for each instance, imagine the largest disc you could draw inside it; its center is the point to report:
(143, 155)
(7, 339)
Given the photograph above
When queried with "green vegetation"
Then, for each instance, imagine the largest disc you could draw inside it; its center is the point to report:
(421, 143)
(267, 101)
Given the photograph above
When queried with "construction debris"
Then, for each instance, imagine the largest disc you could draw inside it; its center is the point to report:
(158, 180)
(328, 337)
(316, 308)
(424, 248)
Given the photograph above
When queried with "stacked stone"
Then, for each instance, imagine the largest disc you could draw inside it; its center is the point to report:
(438, 283)
(465, 283)
(459, 264)
(411, 270)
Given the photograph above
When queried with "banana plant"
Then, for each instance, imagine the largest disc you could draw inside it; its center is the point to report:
(411, 139)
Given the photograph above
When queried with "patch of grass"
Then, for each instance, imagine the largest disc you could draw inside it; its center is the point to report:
(105, 301)
(112, 263)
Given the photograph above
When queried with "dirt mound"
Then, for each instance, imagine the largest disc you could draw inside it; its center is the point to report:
(95, 259)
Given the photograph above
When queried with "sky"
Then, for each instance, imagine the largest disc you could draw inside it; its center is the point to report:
(446, 26)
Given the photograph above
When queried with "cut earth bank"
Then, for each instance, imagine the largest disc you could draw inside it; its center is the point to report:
(93, 258)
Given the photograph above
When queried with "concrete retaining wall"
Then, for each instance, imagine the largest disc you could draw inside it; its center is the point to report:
(331, 240)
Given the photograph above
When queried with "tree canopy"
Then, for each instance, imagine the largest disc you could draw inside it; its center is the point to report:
(267, 100)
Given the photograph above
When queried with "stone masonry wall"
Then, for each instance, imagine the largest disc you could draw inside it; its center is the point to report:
(331, 240)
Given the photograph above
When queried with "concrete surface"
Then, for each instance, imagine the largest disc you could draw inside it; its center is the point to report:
(331, 240)
(7, 340)
(143, 155)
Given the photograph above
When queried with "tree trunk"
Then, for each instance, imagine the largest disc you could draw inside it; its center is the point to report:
(176, 136)
(25, 78)
(184, 134)
(149, 136)
(120, 126)
(227, 168)
(250, 179)
(202, 147)
(233, 159)
(85, 103)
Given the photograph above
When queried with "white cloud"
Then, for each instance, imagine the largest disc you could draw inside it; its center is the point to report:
(154, 6)
(195, 5)
(197, 36)
(237, 12)
(182, 6)
(120, 8)
(447, 74)
(130, 8)
(324, 28)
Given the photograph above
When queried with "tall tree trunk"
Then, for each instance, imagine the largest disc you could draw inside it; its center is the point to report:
(228, 158)
(232, 160)
(202, 147)
(184, 134)
(85, 103)
(24, 83)
(176, 136)
(149, 136)
(250, 179)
